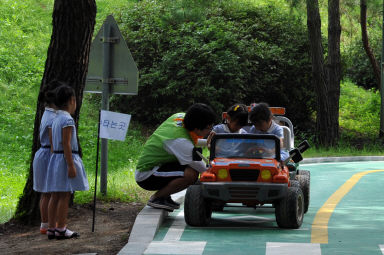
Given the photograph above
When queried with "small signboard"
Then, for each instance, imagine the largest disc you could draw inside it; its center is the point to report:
(123, 72)
(114, 125)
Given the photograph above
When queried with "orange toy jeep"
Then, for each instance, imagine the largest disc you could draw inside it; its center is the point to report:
(246, 169)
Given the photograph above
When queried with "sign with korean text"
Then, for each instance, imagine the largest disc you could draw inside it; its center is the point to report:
(114, 125)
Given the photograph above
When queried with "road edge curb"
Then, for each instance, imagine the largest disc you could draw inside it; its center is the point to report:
(145, 227)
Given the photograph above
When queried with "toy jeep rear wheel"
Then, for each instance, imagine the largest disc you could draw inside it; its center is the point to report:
(289, 211)
(304, 172)
(197, 209)
(295, 183)
(305, 183)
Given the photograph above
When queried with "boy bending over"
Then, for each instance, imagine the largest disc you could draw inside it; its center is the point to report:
(166, 163)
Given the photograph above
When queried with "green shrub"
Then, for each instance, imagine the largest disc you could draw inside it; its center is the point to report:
(359, 112)
(216, 52)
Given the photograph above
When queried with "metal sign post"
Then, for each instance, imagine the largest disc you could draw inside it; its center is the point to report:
(105, 106)
(111, 70)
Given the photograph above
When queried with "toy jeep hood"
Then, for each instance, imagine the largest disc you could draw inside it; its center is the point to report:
(244, 162)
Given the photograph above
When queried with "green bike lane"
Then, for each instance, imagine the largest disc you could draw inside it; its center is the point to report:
(346, 216)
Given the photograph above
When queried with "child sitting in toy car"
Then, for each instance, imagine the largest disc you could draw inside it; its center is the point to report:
(262, 119)
(235, 118)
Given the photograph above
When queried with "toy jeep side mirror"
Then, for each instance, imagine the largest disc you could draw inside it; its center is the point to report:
(295, 155)
(303, 146)
(195, 155)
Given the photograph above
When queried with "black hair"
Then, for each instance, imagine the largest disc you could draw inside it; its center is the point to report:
(238, 113)
(199, 116)
(47, 93)
(62, 95)
(260, 112)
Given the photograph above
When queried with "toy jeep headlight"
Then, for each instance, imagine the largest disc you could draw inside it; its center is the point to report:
(222, 173)
(265, 174)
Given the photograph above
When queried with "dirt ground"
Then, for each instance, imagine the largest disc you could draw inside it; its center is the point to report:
(113, 224)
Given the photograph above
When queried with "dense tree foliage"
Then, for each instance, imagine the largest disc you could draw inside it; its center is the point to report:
(357, 66)
(217, 53)
(356, 62)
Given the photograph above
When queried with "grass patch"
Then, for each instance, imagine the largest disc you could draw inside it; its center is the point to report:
(345, 149)
(359, 111)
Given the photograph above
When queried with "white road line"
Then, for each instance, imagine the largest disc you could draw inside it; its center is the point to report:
(177, 228)
(381, 246)
(175, 247)
(171, 243)
(292, 249)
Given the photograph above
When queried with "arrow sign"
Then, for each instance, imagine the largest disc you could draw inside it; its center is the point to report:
(123, 73)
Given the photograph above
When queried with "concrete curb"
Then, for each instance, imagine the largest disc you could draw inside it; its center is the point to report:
(146, 225)
(342, 159)
(149, 220)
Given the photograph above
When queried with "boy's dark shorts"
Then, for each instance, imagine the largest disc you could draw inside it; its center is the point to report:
(165, 174)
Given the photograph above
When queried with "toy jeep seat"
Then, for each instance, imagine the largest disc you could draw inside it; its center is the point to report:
(289, 138)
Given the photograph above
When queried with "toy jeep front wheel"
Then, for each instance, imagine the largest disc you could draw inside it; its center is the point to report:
(304, 181)
(197, 209)
(289, 211)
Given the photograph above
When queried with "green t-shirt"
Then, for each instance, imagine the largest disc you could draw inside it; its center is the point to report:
(154, 153)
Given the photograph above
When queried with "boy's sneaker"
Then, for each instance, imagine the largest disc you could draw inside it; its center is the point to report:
(174, 204)
(160, 203)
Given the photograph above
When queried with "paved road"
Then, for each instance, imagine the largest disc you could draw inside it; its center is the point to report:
(346, 216)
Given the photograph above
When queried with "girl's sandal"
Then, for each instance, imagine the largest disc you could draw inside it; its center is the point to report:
(51, 234)
(62, 234)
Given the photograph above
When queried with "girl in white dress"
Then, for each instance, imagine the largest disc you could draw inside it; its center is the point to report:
(42, 156)
(65, 170)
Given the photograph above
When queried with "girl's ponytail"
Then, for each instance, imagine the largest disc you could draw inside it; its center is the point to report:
(62, 95)
(48, 93)
(239, 113)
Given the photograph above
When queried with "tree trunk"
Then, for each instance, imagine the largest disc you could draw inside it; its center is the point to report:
(326, 79)
(318, 72)
(67, 61)
(334, 69)
(367, 47)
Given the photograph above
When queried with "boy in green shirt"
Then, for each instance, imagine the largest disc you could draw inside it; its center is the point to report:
(166, 163)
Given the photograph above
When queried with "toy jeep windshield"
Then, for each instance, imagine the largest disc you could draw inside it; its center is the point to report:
(246, 169)
(245, 146)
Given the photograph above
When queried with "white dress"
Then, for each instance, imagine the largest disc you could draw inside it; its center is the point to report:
(42, 156)
(57, 179)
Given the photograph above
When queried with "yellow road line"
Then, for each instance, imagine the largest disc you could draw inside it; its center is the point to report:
(319, 232)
